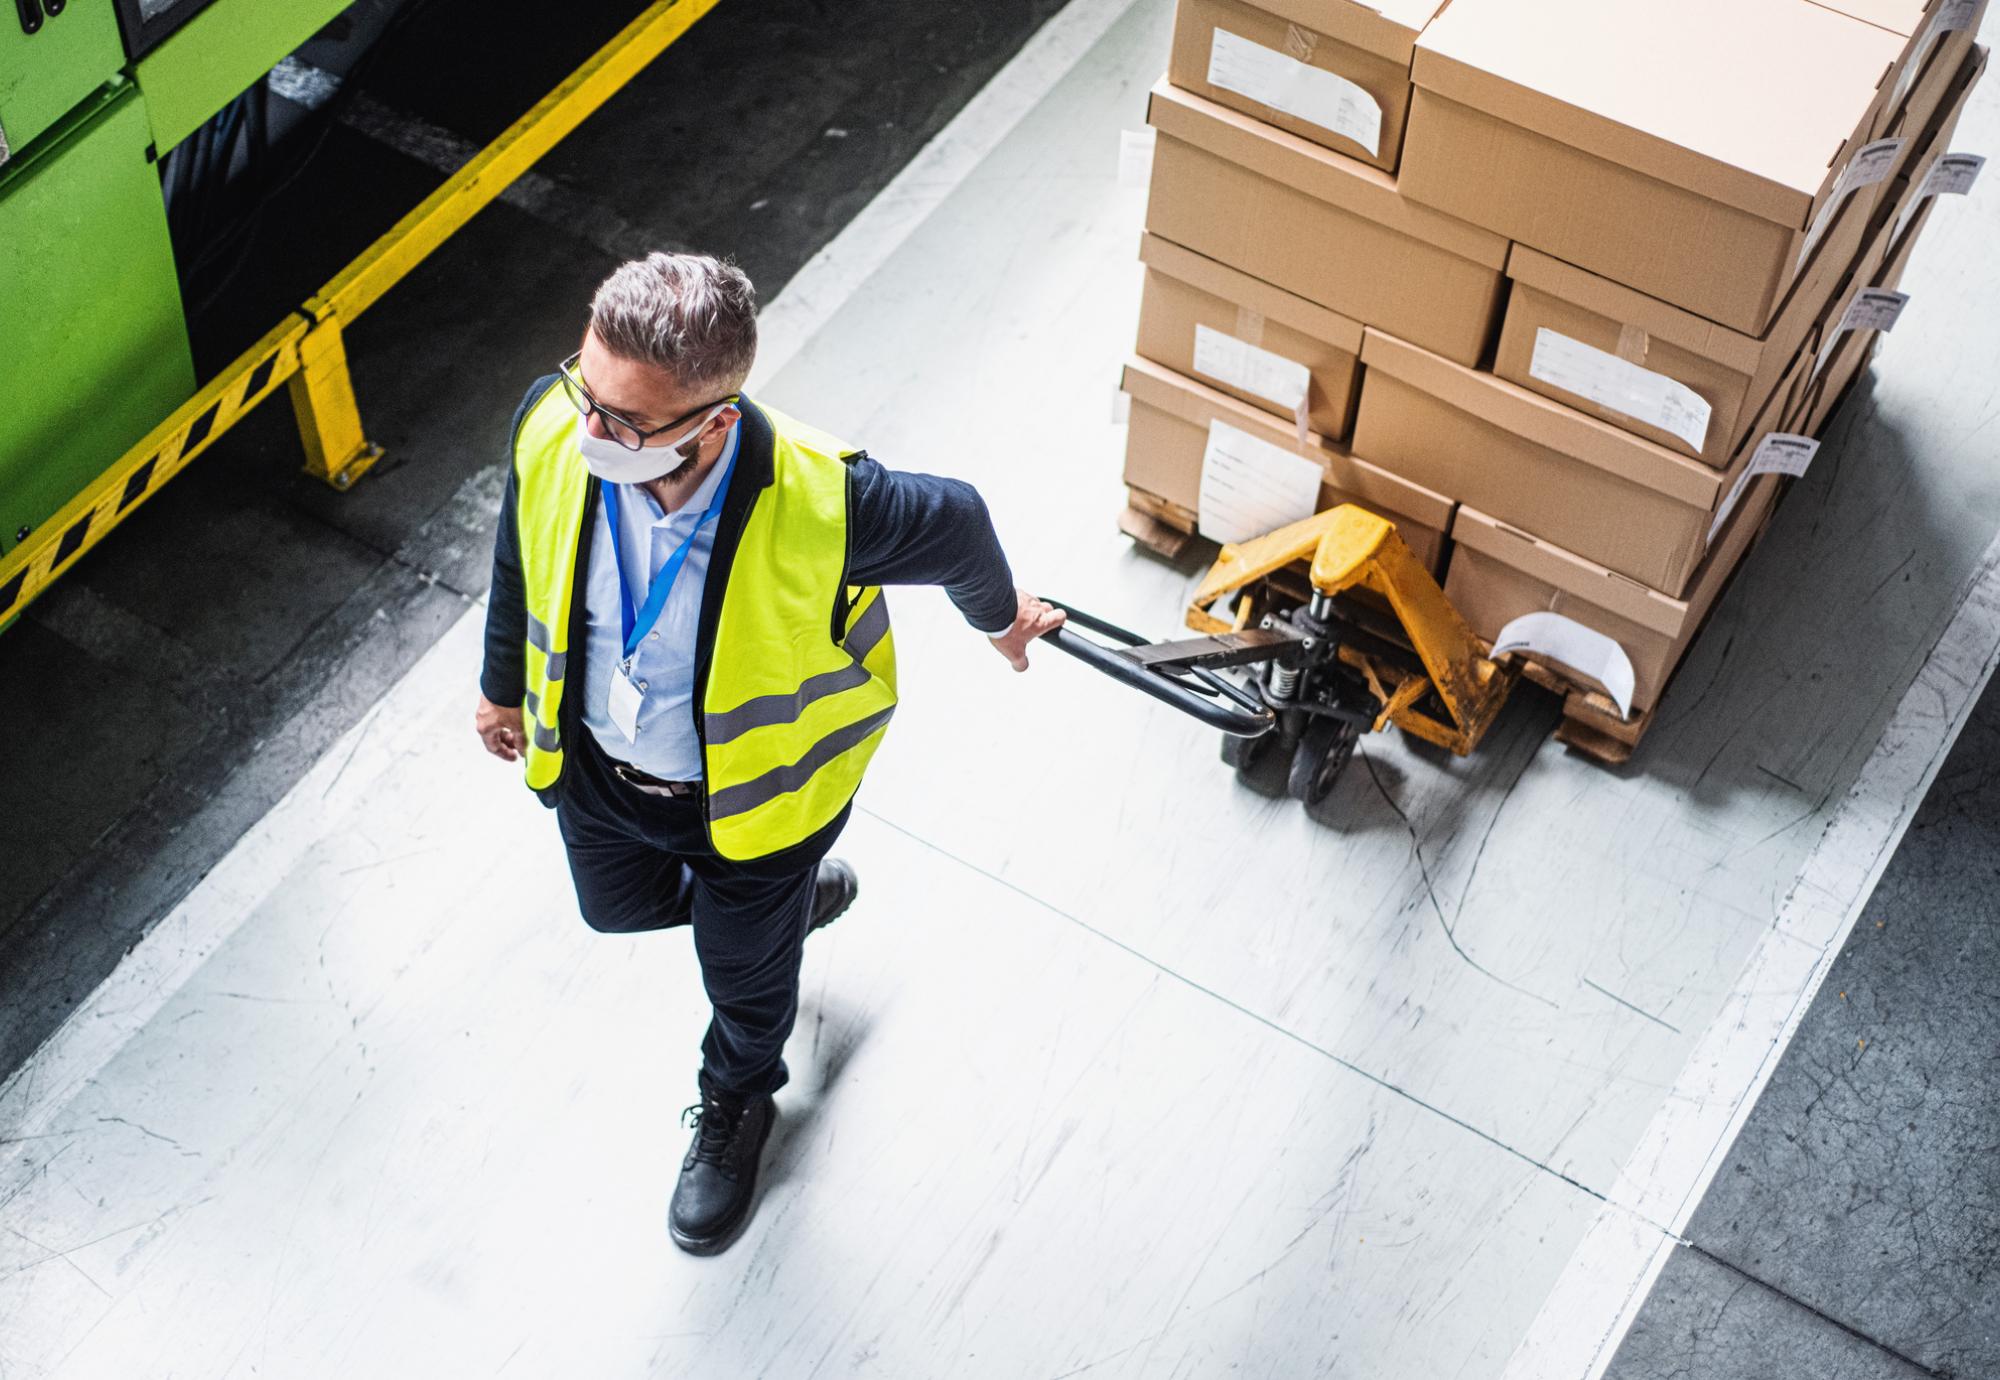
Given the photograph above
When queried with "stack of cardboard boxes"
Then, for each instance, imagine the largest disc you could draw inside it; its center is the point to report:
(1553, 284)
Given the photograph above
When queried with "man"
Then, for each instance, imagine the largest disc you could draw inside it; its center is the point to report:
(688, 645)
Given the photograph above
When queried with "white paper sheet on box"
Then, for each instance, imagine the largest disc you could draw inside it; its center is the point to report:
(1873, 309)
(1251, 368)
(1556, 637)
(1250, 487)
(1951, 175)
(1313, 94)
(1951, 15)
(1870, 164)
(1642, 394)
(1781, 452)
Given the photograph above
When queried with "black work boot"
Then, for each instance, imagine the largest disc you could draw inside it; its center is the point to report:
(834, 893)
(719, 1176)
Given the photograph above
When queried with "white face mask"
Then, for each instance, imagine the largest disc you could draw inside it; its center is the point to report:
(610, 461)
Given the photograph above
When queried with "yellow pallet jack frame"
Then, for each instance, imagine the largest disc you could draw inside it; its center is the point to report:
(1375, 643)
(1351, 550)
(307, 351)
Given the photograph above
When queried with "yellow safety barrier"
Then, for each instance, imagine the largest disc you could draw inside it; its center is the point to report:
(306, 351)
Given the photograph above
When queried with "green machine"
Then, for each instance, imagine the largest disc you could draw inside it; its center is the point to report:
(93, 340)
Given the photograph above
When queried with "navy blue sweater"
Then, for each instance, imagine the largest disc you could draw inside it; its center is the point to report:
(903, 529)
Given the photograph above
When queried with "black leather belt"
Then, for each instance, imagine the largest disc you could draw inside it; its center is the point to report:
(653, 785)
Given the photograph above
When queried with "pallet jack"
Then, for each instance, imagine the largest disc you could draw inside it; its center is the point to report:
(1365, 641)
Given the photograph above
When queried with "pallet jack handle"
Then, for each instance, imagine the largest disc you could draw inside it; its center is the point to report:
(1207, 697)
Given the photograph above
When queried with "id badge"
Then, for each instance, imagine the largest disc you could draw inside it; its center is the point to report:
(624, 704)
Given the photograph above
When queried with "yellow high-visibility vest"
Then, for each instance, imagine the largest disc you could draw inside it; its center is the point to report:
(792, 706)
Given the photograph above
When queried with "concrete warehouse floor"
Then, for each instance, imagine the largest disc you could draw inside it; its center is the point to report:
(1115, 1069)
(195, 702)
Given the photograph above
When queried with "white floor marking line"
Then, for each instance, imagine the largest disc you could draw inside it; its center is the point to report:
(147, 977)
(181, 942)
(1608, 1277)
(832, 276)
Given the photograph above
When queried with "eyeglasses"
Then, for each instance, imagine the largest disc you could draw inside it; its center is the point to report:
(624, 431)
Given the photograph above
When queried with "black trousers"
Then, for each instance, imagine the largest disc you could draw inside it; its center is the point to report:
(643, 862)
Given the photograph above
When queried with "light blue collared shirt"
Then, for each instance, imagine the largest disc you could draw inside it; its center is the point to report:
(663, 667)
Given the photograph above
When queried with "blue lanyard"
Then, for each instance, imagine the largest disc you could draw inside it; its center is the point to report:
(638, 622)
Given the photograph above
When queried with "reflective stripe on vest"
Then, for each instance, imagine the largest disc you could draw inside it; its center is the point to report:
(789, 717)
(764, 711)
(550, 496)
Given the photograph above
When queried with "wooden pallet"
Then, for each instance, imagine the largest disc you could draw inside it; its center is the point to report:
(1591, 723)
(1165, 529)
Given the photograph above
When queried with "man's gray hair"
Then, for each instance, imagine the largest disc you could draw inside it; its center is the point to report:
(689, 314)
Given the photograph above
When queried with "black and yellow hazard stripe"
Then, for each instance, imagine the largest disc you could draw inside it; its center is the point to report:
(81, 523)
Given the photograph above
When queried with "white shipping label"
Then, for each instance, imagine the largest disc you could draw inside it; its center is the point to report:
(1584, 650)
(1250, 487)
(1873, 309)
(1624, 387)
(1781, 452)
(1870, 164)
(1135, 156)
(1316, 96)
(1952, 15)
(1251, 368)
(1951, 175)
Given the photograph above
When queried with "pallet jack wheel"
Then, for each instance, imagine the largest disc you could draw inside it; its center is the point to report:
(1260, 762)
(1324, 751)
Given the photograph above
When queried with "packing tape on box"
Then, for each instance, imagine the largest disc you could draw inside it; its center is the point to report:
(1781, 452)
(1135, 156)
(1250, 325)
(1952, 15)
(1620, 386)
(1250, 487)
(1561, 639)
(1633, 344)
(1870, 164)
(1300, 43)
(1280, 381)
(1951, 174)
(1873, 309)
(1317, 96)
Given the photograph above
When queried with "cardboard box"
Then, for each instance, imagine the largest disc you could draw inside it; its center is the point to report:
(1935, 140)
(1259, 344)
(1732, 373)
(1499, 573)
(1682, 149)
(1825, 393)
(1578, 483)
(1164, 453)
(1890, 249)
(1899, 225)
(1936, 36)
(1889, 258)
(1729, 371)
(1331, 71)
(1320, 225)
(1930, 111)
